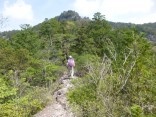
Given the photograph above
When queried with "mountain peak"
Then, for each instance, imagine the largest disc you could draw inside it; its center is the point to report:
(68, 15)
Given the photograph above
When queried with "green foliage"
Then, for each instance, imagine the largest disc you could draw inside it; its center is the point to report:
(26, 105)
(136, 111)
(84, 95)
(52, 73)
(63, 45)
(98, 17)
(83, 43)
(82, 61)
(124, 73)
(147, 28)
(8, 34)
(14, 59)
(48, 28)
(6, 91)
(4, 43)
(117, 67)
(26, 39)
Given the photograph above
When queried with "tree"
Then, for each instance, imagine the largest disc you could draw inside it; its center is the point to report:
(125, 72)
(98, 17)
(99, 29)
(26, 39)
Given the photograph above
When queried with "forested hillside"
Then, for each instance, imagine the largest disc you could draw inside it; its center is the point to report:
(116, 68)
(149, 29)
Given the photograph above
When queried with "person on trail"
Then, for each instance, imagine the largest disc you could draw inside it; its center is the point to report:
(71, 65)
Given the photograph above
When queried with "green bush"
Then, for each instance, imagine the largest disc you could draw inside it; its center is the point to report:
(136, 111)
(82, 61)
(27, 105)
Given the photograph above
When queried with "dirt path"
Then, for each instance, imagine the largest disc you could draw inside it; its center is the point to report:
(59, 107)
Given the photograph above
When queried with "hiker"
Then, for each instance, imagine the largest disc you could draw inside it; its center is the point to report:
(71, 65)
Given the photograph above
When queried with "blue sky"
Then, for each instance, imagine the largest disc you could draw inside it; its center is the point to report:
(33, 12)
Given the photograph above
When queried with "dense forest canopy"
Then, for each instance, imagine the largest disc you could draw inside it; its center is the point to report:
(148, 28)
(115, 65)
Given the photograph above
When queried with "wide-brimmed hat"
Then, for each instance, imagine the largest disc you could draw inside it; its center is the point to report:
(70, 56)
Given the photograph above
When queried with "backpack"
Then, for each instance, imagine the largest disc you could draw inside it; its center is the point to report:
(71, 63)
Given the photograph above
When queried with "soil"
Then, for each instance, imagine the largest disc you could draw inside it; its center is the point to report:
(59, 107)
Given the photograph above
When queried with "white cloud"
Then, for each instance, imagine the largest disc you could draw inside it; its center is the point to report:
(127, 6)
(86, 7)
(18, 10)
(149, 18)
(116, 10)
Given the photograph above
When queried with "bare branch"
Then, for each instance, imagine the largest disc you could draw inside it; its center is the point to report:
(127, 56)
(111, 49)
(2, 21)
(128, 75)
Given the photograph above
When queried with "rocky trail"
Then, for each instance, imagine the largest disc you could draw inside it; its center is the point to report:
(59, 107)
